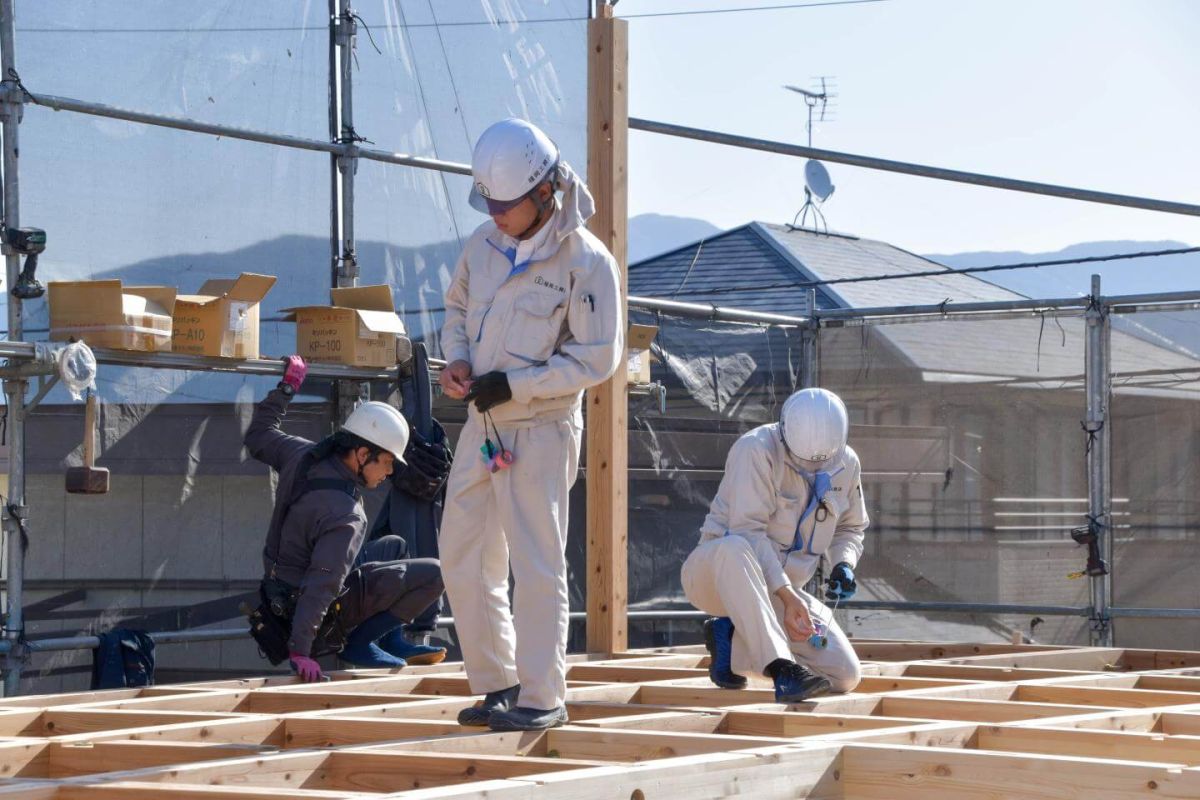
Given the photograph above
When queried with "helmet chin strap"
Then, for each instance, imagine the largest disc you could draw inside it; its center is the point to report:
(542, 206)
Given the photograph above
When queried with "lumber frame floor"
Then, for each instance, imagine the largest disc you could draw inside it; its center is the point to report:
(930, 720)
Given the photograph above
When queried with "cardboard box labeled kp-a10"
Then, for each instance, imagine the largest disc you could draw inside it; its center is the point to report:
(107, 314)
(222, 319)
(638, 347)
(360, 329)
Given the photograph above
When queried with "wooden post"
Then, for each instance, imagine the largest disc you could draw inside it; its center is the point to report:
(607, 404)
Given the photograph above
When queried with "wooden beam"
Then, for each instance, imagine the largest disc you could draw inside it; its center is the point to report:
(608, 403)
(1179, 750)
(644, 727)
(907, 773)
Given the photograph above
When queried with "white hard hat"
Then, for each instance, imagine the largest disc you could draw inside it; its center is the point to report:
(814, 424)
(511, 159)
(381, 425)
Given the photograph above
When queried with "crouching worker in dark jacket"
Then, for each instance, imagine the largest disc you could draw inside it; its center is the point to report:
(314, 601)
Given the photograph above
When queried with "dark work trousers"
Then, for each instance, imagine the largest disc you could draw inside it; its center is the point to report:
(403, 588)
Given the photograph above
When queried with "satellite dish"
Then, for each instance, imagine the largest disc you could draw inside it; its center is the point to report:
(816, 178)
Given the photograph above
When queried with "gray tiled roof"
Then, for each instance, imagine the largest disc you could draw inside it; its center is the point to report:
(740, 258)
(827, 257)
(758, 257)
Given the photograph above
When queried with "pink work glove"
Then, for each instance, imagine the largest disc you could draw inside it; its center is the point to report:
(308, 669)
(293, 374)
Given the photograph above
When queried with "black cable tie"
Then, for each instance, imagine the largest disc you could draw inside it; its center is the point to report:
(352, 137)
(15, 77)
(15, 513)
(1092, 433)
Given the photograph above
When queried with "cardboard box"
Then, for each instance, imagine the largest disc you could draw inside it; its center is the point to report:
(361, 329)
(107, 314)
(638, 347)
(222, 319)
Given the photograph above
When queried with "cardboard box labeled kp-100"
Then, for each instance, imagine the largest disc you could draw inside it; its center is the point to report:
(222, 319)
(107, 314)
(360, 329)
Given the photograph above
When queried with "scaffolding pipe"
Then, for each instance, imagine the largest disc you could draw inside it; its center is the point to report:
(810, 338)
(713, 312)
(920, 170)
(31, 359)
(343, 29)
(1155, 613)
(932, 313)
(61, 643)
(14, 388)
(998, 309)
(335, 233)
(1152, 307)
(58, 103)
(1168, 301)
(1098, 385)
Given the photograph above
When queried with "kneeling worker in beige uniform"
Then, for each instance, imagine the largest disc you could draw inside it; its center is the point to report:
(791, 493)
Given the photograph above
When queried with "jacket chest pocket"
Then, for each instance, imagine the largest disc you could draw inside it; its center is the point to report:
(827, 515)
(782, 525)
(534, 327)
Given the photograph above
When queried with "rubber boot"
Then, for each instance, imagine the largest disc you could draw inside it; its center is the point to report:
(718, 638)
(361, 649)
(400, 643)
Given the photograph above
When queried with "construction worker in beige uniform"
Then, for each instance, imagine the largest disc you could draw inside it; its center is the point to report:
(791, 493)
(533, 317)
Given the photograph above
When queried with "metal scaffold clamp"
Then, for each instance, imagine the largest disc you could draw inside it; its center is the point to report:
(73, 365)
(345, 28)
(13, 96)
(17, 654)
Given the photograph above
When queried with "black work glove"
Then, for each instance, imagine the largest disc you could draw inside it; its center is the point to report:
(490, 390)
(841, 584)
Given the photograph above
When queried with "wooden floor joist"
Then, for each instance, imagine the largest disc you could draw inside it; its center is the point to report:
(930, 720)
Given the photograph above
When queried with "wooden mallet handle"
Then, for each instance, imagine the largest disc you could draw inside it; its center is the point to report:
(89, 431)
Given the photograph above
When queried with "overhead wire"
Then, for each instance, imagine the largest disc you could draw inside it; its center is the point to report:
(934, 273)
(461, 24)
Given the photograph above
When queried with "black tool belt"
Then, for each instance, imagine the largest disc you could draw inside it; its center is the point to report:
(271, 622)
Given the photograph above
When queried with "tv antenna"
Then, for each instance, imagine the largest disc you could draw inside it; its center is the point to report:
(817, 99)
(817, 184)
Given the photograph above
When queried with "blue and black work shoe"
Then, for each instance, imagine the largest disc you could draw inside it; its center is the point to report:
(402, 644)
(528, 719)
(481, 713)
(795, 683)
(718, 638)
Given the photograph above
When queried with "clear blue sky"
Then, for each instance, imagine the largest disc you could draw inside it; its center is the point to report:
(1092, 93)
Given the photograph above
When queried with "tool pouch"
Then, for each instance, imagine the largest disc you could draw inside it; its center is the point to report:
(331, 635)
(271, 632)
